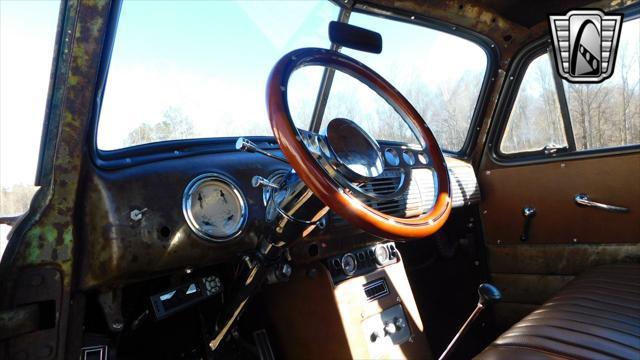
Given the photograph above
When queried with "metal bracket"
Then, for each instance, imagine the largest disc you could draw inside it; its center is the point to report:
(111, 303)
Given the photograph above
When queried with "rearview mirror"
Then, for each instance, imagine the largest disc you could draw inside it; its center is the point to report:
(354, 37)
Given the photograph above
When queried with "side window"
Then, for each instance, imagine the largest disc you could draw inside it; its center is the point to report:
(604, 115)
(27, 39)
(536, 120)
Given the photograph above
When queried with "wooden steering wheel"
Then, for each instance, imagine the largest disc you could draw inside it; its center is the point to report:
(330, 186)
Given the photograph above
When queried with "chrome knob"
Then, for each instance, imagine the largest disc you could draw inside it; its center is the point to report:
(390, 328)
(259, 181)
(399, 322)
(246, 145)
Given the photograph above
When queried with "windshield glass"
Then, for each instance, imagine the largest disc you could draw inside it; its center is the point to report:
(188, 69)
(195, 69)
(440, 74)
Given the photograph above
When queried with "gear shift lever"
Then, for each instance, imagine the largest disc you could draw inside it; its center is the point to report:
(488, 294)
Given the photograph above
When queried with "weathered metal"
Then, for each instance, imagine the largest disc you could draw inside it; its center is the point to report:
(509, 24)
(46, 236)
(558, 259)
(22, 320)
(47, 231)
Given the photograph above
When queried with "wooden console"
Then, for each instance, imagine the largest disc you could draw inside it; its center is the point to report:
(313, 319)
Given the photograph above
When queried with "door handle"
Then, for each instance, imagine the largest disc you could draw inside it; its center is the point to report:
(583, 200)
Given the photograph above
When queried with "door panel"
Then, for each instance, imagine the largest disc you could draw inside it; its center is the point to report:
(550, 188)
(564, 239)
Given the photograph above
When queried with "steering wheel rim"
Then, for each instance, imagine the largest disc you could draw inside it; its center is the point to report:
(316, 178)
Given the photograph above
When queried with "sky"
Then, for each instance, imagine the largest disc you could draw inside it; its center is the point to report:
(27, 34)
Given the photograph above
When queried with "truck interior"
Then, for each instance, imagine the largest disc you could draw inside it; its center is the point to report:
(327, 179)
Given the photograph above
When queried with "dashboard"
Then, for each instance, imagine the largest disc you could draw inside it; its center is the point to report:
(202, 210)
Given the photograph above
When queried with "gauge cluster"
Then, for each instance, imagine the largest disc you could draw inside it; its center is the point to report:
(214, 207)
(361, 261)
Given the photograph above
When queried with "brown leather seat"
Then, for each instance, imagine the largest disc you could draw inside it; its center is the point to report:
(596, 316)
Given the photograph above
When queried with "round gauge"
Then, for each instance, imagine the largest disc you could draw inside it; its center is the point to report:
(349, 264)
(422, 158)
(382, 254)
(214, 207)
(391, 156)
(408, 157)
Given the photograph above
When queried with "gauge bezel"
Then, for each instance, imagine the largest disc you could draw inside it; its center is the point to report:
(408, 157)
(195, 183)
(391, 156)
(355, 264)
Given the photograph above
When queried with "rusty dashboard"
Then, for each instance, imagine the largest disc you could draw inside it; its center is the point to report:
(135, 225)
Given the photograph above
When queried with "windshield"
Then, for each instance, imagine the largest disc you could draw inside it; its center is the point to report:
(198, 69)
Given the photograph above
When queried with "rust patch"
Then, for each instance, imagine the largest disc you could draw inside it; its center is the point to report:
(46, 235)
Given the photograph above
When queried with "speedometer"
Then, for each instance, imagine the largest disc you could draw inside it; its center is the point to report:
(214, 207)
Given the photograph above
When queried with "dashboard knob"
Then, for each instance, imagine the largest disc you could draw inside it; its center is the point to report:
(399, 322)
(375, 335)
(259, 181)
(390, 328)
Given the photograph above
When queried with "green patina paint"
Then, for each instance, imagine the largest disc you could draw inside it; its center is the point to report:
(73, 80)
(40, 239)
(51, 237)
(95, 27)
(68, 236)
(96, 3)
(80, 55)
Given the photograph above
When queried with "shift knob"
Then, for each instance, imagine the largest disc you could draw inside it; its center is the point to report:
(489, 294)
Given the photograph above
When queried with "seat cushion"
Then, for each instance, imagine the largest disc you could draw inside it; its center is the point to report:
(596, 316)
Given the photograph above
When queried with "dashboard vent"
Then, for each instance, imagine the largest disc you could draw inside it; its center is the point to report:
(417, 199)
(375, 289)
(420, 196)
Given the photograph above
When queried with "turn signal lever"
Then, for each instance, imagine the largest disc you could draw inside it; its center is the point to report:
(488, 294)
(247, 145)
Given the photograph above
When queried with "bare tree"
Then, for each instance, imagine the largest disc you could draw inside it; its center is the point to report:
(174, 125)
